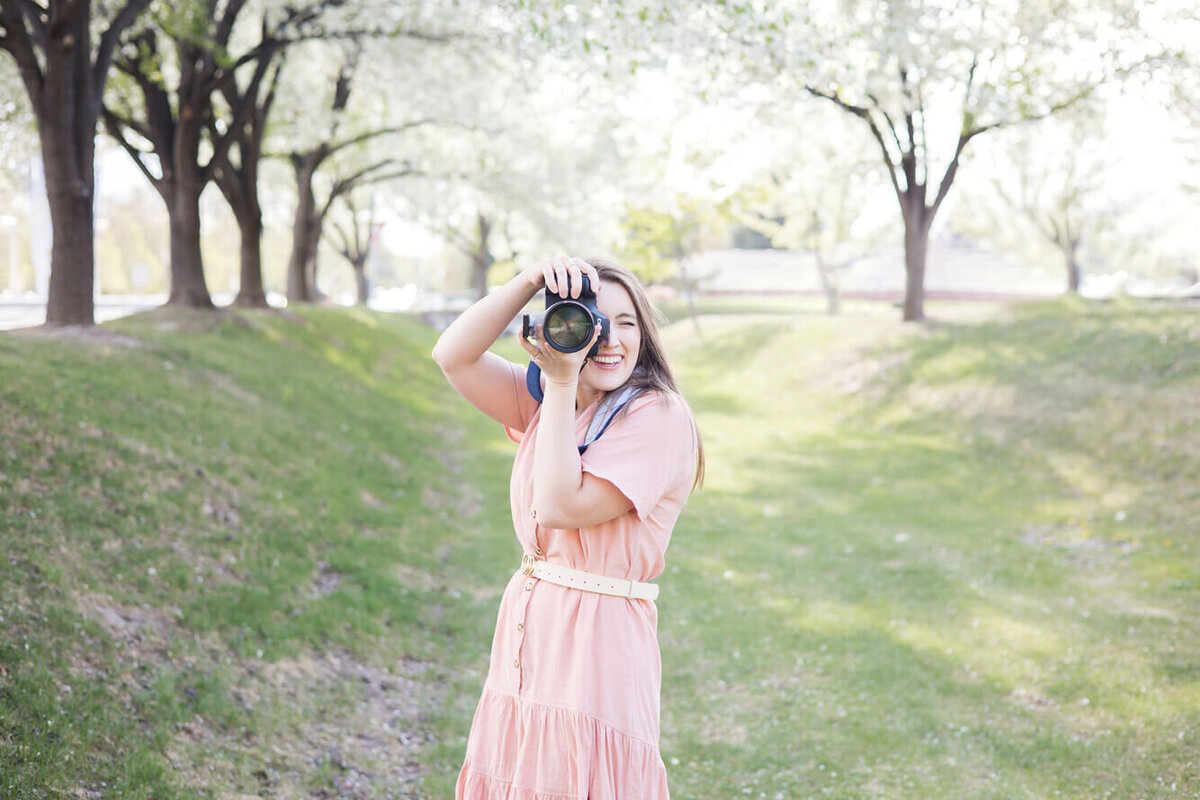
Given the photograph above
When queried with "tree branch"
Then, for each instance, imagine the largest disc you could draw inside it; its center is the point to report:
(888, 119)
(132, 124)
(113, 124)
(224, 27)
(109, 39)
(865, 115)
(344, 250)
(333, 148)
(241, 110)
(460, 239)
(31, 13)
(19, 42)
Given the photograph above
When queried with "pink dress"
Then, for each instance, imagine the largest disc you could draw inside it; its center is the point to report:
(570, 708)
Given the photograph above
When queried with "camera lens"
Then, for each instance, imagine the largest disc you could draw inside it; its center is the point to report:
(568, 327)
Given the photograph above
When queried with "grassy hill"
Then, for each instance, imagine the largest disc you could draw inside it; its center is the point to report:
(259, 554)
(226, 545)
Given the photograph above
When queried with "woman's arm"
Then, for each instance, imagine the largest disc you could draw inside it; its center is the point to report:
(564, 496)
(482, 378)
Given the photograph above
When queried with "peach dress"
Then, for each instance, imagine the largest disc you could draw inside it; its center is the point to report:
(570, 708)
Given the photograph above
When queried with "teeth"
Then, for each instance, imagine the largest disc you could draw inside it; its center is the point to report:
(607, 359)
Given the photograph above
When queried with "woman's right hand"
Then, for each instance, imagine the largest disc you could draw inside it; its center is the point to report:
(559, 273)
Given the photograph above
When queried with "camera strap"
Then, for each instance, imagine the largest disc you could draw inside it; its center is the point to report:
(608, 409)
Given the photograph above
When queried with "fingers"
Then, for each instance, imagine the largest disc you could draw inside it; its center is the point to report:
(592, 275)
(533, 350)
(563, 276)
(556, 276)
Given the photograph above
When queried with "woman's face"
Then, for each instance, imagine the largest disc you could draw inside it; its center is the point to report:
(618, 353)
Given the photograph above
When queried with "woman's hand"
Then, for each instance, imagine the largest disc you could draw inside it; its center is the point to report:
(559, 368)
(562, 276)
(557, 273)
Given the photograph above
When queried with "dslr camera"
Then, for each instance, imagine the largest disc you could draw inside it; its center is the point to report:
(568, 324)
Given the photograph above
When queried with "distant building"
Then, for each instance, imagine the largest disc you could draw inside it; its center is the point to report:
(954, 268)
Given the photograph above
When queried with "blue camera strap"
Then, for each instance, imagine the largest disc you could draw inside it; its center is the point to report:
(608, 409)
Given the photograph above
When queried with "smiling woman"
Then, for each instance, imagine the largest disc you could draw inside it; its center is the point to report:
(570, 708)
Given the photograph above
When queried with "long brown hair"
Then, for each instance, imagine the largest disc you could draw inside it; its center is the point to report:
(652, 370)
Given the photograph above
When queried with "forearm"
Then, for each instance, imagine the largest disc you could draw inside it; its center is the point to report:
(477, 328)
(557, 469)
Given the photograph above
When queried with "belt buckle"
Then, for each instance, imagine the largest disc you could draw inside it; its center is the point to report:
(527, 562)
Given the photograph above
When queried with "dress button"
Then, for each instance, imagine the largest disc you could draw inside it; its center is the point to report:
(520, 627)
(538, 552)
(517, 663)
(529, 586)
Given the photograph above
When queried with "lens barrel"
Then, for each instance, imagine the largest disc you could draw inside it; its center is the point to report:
(568, 326)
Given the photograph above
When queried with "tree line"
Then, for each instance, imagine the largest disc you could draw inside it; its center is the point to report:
(197, 93)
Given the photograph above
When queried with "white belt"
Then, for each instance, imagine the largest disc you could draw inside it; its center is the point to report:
(587, 581)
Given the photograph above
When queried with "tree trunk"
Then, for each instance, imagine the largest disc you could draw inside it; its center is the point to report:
(299, 286)
(241, 193)
(689, 293)
(360, 279)
(1073, 272)
(481, 259)
(828, 284)
(250, 290)
(480, 264)
(67, 111)
(188, 287)
(916, 245)
(310, 257)
(72, 218)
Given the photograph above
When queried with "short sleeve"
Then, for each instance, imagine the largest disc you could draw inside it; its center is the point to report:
(647, 453)
(525, 402)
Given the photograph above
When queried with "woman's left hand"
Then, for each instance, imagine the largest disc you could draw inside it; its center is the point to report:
(557, 367)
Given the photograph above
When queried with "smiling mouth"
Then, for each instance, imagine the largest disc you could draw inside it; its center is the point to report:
(607, 362)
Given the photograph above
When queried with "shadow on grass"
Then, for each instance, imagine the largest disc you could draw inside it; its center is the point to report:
(898, 607)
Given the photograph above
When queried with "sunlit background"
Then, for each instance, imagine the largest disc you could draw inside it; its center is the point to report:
(721, 137)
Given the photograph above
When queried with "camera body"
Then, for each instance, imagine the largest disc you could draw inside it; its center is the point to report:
(568, 324)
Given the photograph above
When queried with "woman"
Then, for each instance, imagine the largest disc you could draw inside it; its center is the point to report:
(570, 708)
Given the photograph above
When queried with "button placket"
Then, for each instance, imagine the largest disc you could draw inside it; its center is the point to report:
(522, 615)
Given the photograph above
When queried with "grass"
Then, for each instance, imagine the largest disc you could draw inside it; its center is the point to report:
(956, 560)
(226, 546)
(961, 563)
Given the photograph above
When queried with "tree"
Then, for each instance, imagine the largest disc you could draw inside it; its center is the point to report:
(311, 212)
(1056, 182)
(171, 131)
(236, 172)
(666, 238)
(356, 234)
(64, 52)
(927, 78)
(509, 168)
(814, 193)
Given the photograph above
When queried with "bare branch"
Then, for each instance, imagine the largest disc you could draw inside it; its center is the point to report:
(363, 137)
(20, 43)
(888, 119)
(225, 23)
(952, 167)
(31, 14)
(109, 39)
(344, 248)
(113, 124)
(865, 115)
(244, 105)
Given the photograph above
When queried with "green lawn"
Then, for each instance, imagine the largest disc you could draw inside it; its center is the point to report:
(956, 560)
